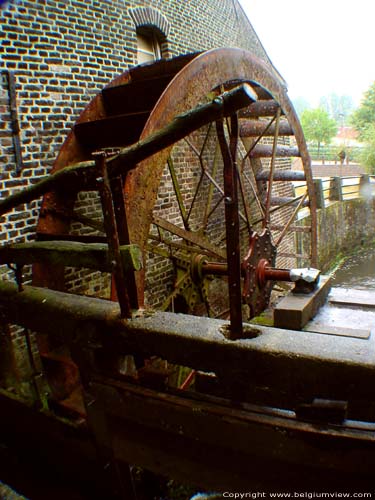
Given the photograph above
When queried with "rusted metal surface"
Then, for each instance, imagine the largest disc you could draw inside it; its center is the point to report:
(281, 175)
(260, 108)
(214, 70)
(110, 225)
(232, 224)
(123, 235)
(211, 69)
(257, 290)
(11, 82)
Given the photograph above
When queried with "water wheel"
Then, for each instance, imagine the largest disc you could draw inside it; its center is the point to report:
(180, 209)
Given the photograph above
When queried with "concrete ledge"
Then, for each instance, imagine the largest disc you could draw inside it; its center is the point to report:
(294, 311)
(353, 298)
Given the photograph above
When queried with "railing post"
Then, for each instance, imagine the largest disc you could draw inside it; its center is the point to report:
(364, 185)
(318, 186)
(335, 189)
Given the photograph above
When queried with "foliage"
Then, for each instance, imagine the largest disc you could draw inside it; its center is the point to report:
(318, 127)
(338, 107)
(367, 157)
(365, 114)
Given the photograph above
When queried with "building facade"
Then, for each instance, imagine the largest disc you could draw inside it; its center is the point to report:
(57, 55)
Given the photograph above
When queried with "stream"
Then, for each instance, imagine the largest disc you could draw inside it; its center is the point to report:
(357, 272)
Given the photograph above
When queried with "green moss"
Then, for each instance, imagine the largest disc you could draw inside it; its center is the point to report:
(264, 319)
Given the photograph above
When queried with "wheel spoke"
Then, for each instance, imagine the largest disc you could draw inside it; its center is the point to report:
(291, 219)
(177, 192)
(211, 187)
(272, 169)
(193, 238)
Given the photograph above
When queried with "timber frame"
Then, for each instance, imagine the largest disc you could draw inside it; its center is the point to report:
(266, 401)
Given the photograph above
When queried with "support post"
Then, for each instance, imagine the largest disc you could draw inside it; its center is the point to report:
(364, 186)
(110, 225)
(318, 186)
(335, 189)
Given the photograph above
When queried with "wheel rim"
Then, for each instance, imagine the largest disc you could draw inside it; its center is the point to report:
(209, 72)
(217, 70)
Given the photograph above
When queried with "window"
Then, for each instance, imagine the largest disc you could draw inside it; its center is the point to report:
(148, 47)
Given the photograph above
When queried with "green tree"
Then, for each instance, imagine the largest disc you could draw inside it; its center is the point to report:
(318, 127)
(367, 155)
(365, 114)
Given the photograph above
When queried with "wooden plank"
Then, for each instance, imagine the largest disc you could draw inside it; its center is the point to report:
(135, 96)
(276, 366)
(255, 128)
(226, 447)
(281, 175)
(265, 151)
(70, 253)
(295, 310)
(114, 131)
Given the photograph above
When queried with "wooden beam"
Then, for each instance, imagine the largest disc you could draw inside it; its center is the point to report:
(84, 175)
(281, 367)
(70, 253)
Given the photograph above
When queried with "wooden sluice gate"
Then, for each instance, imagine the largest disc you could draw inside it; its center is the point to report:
(261, 407)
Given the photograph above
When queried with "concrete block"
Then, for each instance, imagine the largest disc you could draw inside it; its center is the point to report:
(294, 311)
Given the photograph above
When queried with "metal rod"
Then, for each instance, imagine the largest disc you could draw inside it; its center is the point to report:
(232, 225)
(291, 219)
(14, 120)
(112, 235)
(123, 236)
(177, 191)
(272, 168)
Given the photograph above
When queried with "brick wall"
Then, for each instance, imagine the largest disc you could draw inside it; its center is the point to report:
(62, 53)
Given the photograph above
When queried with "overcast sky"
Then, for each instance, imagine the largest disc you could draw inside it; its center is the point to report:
(319, 46)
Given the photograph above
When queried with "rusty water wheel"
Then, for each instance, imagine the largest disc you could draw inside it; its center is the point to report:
(176, 199)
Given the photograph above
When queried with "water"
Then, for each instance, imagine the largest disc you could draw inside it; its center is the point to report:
(357, 272)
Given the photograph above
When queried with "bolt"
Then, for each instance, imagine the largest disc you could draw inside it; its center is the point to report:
(228, 199)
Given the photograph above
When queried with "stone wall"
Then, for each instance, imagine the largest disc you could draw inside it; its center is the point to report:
(343, 227)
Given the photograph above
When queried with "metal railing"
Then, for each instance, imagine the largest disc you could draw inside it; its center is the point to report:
(331, 189)
(332, 153)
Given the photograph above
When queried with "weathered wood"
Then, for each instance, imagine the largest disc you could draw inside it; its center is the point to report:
(70, 253)
(255, 128)
(260, 108)
(224, 447)
(277, 367)
(265, 151)
(83, 175)
(281, 175)
(294, 310)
